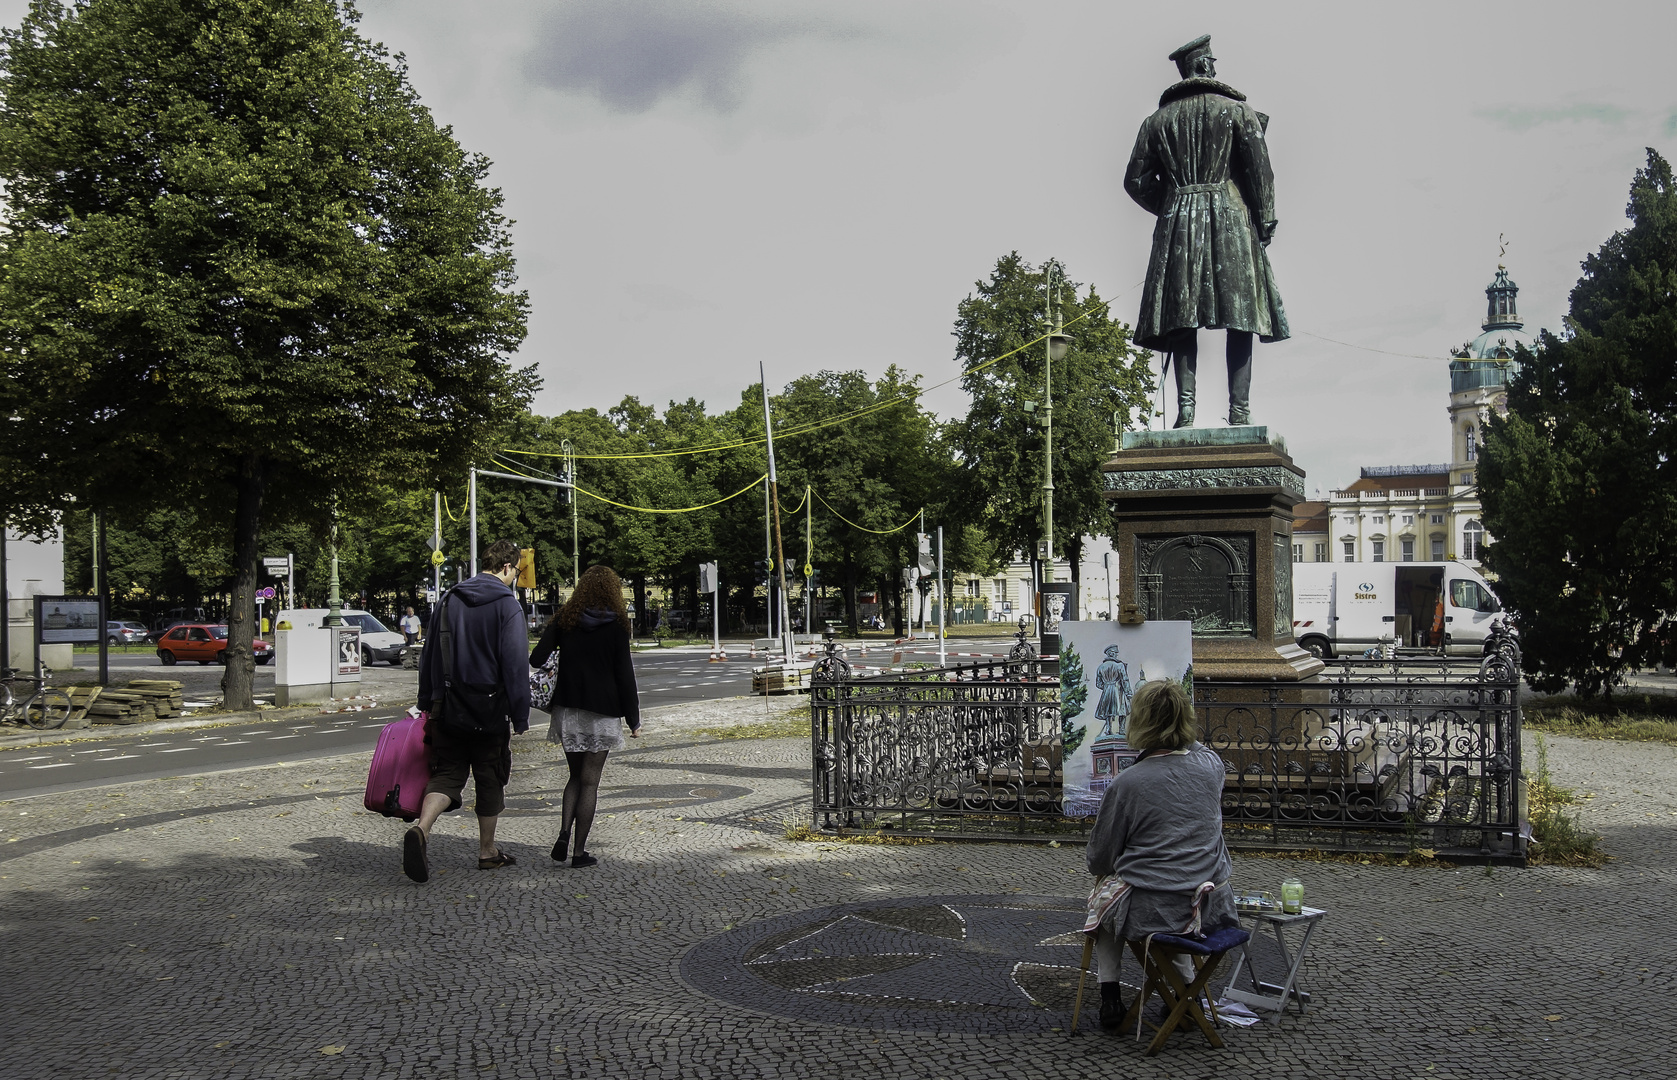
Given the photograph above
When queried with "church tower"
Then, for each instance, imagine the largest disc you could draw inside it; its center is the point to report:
(1479, 379)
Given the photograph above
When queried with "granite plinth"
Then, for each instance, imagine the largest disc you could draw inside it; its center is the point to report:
(1203, 519)
(1178, 438)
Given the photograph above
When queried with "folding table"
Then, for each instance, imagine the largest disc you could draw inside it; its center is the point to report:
(1273, 997)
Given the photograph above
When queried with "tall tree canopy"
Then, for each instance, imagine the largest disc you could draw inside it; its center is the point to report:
(1579, 480)
(243, 270)
(1102, 379)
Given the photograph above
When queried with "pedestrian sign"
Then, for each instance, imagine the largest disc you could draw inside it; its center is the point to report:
(438, 558)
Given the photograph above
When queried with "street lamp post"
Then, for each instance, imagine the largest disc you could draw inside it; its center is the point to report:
(334, 601)
(1056, 343)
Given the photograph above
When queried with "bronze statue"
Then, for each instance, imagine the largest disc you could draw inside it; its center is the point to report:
(1201, 165)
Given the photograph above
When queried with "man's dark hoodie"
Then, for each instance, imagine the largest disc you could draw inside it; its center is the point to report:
(490, 643)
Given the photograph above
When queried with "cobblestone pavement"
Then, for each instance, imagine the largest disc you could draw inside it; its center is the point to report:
(256, 924)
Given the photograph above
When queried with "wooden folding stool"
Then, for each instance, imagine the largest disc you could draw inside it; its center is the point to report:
(1155, 955)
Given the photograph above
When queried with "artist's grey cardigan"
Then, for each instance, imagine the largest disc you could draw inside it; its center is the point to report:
(1160, 828)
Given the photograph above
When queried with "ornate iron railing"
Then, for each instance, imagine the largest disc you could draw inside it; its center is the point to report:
(1369, 755)
(977, 744)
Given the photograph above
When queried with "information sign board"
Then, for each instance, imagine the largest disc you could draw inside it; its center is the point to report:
(61, 619)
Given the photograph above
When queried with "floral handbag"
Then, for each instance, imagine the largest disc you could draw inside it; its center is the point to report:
(542, 681)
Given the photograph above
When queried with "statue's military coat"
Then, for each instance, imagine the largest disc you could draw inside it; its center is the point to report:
(1200, 163)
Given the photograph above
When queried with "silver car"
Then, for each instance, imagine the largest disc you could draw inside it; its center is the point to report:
(125, 632)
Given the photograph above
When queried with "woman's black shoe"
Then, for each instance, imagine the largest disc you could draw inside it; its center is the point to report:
(559, 846)
(583, 859)
(1112, 1007)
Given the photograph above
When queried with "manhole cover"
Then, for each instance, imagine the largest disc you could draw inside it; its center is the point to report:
(944, 963)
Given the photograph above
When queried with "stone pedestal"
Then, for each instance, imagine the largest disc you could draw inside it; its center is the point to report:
(1203, 519)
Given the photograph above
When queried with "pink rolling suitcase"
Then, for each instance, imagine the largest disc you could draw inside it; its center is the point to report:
(401, 768)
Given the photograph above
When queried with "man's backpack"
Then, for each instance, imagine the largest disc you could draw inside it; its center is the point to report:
(465, 710)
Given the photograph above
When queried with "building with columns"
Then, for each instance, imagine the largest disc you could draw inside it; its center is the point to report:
(1431, 512)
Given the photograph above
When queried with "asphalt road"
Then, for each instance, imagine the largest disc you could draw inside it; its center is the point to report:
(665, 677)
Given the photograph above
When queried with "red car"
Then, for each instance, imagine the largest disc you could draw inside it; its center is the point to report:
(204, 643)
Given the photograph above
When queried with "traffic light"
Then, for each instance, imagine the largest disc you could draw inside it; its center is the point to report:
(526, 568)
(565, 492)
(765, 570)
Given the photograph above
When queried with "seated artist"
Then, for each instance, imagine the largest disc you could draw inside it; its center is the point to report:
(1157, 848)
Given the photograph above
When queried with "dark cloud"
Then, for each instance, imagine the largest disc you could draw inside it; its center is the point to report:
(632, 53)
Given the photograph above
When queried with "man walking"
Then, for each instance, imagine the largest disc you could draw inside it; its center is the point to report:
(410, 626)
(474, 679)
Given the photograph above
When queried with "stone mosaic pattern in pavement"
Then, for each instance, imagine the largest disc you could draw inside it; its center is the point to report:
(256, 924)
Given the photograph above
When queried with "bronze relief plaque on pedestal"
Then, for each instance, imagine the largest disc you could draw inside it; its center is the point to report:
(1204, 579)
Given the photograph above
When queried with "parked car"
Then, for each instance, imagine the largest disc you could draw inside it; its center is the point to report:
(125, 632)
(379, 643)
(204, 643)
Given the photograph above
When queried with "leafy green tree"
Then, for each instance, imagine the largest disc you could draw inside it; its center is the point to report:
(1579, 479)
(1103, 379)
(1074, 693)
(243, 270)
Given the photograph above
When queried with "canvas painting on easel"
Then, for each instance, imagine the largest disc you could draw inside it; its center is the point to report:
(1101, 666)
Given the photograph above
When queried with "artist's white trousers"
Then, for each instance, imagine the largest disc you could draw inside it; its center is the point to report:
(1109, 958)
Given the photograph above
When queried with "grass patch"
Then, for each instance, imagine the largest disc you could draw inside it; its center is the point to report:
(800, 831)
(1417, 857)
(795, 726)
(1557, 837)
(1640, 718)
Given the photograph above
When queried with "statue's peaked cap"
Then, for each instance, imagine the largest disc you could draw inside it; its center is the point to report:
(1194, 46)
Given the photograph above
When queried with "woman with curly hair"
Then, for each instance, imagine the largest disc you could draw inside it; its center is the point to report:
(593, 694)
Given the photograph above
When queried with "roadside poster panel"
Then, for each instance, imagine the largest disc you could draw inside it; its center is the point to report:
(349, 650)
(1101, 665)
(72, 619)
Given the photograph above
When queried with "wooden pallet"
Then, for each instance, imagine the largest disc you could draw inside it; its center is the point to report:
(81, 697)
(781, 679)
(164, 695)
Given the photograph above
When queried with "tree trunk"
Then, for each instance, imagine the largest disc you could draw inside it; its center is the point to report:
(639, 582)
(238, 682)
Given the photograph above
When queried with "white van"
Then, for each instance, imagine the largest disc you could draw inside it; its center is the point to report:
(1341, 608)
(378, 641)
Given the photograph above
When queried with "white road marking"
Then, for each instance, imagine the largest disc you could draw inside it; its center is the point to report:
(240, 742)
(271, 738)
(42, 757)
(55, 765)
(125, 757)
(177, 750)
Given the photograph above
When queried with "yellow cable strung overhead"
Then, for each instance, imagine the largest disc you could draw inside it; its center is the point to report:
(864, 528)
(682, 510)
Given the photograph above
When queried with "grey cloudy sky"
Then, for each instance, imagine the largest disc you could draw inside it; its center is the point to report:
(700, 186)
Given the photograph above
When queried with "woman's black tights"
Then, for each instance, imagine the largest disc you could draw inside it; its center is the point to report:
(582, 791)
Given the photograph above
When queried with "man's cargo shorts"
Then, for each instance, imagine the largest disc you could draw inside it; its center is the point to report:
(488, 758)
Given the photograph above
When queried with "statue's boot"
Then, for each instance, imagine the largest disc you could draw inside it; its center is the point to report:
(1186, 362)
(1240, 377)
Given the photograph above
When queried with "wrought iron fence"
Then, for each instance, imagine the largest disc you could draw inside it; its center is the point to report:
(977, 744)
(1369, 755)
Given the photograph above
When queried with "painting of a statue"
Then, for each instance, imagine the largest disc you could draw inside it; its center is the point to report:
(1112, 681)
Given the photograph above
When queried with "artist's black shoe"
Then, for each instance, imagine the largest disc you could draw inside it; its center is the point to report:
(1112, 1007)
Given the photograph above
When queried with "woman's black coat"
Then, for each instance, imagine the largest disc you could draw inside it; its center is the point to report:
(595, 672)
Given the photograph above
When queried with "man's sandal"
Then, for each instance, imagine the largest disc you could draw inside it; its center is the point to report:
(414, 863)
(496, 861)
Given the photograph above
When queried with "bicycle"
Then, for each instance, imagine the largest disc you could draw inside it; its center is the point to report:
(46, 706)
